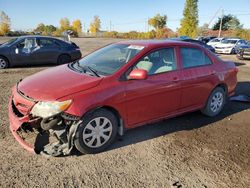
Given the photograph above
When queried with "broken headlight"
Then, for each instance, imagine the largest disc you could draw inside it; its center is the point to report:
(47, 109)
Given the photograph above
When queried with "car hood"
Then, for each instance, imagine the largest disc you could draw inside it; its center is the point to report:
(225, 45)
(55, 83)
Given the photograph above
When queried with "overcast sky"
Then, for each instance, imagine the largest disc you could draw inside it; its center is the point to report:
(121, 15)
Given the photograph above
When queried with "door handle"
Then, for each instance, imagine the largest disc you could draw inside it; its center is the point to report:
(213, 72)
(176, 79)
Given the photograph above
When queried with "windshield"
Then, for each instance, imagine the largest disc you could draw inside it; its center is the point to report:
(229, 41)
(109, 59)
(10, 42)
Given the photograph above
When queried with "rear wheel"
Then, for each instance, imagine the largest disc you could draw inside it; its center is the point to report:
(97, 132)
(4, 63)
(62, 59)
(215, 103)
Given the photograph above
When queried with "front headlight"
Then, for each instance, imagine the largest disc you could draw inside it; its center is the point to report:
(47, 109)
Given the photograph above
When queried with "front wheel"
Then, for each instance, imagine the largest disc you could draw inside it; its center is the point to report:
(215, 102)
(97, 132)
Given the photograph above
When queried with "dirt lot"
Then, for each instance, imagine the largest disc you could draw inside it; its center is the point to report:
(187, 151)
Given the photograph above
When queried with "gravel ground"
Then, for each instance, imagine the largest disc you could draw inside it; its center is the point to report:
(186, 151)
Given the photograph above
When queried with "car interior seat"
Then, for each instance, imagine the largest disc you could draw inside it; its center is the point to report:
(166, 62)
(146, 65)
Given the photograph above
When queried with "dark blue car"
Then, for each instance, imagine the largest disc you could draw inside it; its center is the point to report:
(36, 50)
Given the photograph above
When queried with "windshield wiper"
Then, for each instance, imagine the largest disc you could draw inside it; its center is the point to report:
(92, 70)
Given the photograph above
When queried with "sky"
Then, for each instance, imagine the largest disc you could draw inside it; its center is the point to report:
(119, 15)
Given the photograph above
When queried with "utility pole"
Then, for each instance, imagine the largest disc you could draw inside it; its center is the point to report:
(110, 25)
(221, 20)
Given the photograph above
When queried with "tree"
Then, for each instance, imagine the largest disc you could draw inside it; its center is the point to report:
(64, 24)
(45, 29)
(95, 25)
(189, 22)
(228, 22)
(201, 31)
(158, 21)
(77, 26)
(4, 23)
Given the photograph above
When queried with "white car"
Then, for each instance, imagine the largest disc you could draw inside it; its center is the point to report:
(227, 46)
(215, 41)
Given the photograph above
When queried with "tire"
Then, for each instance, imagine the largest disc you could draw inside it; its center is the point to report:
(4, 63)
(63, 59)
(92, 133)
(215, 102)
(232, 51)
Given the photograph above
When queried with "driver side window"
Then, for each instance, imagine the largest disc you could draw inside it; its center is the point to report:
(159, 61)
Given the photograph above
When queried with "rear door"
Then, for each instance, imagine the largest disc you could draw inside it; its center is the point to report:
(198, 77)
(158, 95)
(47, 52)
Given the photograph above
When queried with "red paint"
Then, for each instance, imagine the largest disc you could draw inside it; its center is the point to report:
(138, 101)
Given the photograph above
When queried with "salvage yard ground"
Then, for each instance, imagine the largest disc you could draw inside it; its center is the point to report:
(187, 151)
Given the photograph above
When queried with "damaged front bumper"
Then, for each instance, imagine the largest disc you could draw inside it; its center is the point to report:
(61, 126)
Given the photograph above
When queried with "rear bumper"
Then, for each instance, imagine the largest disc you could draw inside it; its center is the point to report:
(15, 126)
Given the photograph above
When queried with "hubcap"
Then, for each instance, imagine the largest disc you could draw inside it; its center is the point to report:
(2, 63)
(217, 101)
(97, 132)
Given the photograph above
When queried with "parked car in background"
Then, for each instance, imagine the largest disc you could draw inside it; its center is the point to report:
(206, 39)
(228, 45)
(243, 51)
(118, 87)
(197, 42)
(35, 50)
(215, 41)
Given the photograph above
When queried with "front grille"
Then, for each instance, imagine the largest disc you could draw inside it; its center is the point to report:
(15, 110)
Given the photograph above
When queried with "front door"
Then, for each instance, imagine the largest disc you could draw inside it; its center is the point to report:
(21, 53)
(157, 96)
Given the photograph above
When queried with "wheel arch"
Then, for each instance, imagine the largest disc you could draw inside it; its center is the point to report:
(221, 85)
(64, 53)
(120, 119)
(8, 61)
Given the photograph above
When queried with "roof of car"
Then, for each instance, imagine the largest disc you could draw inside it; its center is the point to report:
(30, 36)
(156, 42)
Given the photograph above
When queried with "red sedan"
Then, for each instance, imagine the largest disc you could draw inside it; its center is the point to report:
(121, 86)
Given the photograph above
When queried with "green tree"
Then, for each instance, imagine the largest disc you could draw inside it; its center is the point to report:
(4, 23)
(228, 22)
(45, 29)
(95, 25)
(158, 21)
(189, 22)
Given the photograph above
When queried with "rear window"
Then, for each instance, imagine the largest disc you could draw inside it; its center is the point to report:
(193, 57)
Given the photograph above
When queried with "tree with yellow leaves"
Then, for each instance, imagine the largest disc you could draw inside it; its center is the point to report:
(77, 26)
(64, 24)
(95, 25)
(158, 21)
(4, 23)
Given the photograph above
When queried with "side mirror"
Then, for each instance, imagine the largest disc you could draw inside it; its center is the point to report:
(138, 74)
